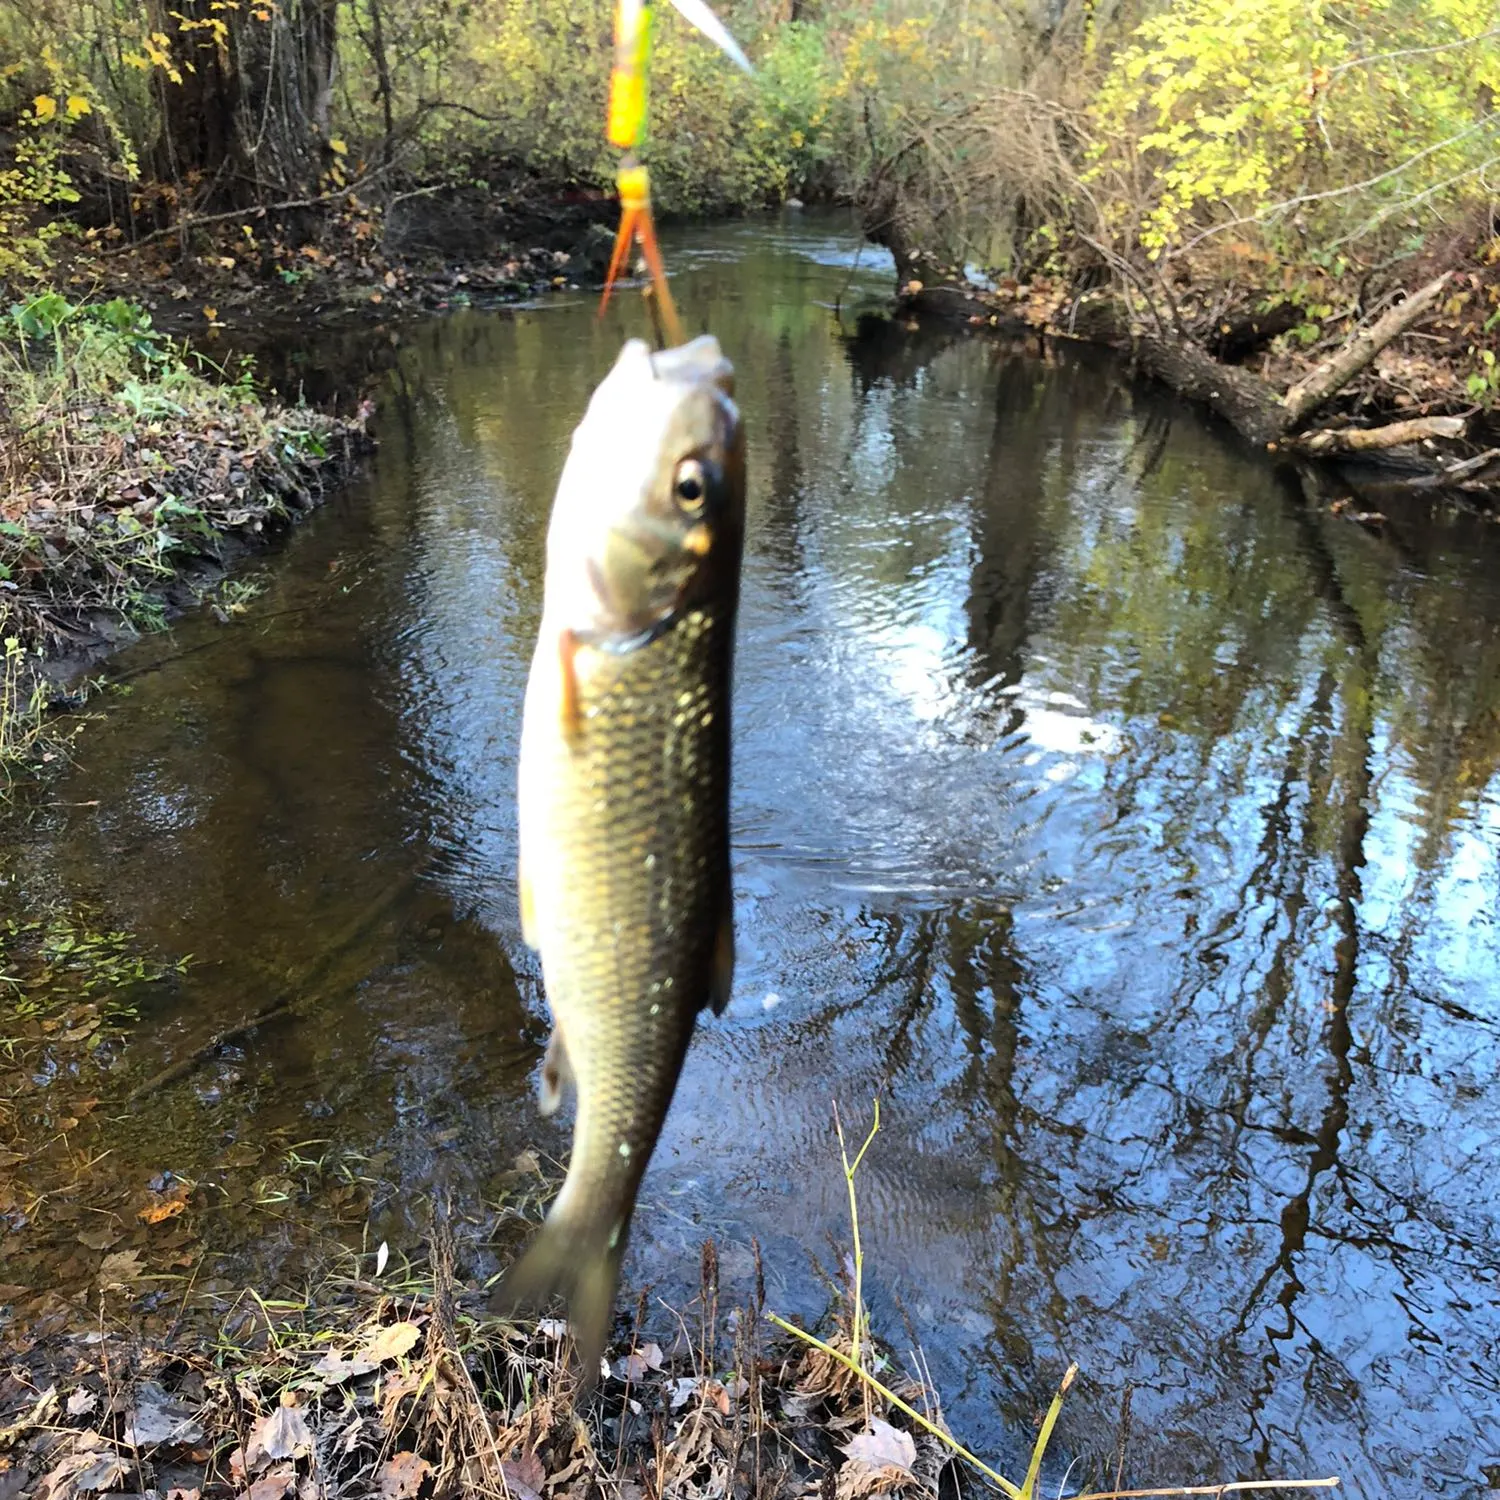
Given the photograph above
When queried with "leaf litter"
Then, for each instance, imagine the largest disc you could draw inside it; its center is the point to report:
(409, 1391)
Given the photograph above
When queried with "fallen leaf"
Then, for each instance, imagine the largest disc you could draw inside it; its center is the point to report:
(184, 1494)
(82, 1401)
(381, 1256)
(682, 1390)
(336, 1369)
(159, 1419)
(274, 1485)
(401, 1477)
(101, 1238)
(880, 1458)
(632, 1367)
(554, 1330)
(392, 1342)
(525, 1476)
(210, 313)
(104, 1473)
(280, 1434)
(35, 1415)
(167, 1208)
(120, 1269)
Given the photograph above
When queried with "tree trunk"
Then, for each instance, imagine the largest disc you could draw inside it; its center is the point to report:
(248, 123)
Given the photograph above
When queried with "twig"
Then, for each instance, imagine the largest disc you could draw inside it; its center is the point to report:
(1332, 1482)
(859, 1256)
(1372, 439)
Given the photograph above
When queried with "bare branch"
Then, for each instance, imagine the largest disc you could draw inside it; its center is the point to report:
(1375, 439)
(1332, 375)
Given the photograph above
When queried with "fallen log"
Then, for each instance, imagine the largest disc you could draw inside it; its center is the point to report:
(1375, 439)
(1327, 379)
(1243, 399)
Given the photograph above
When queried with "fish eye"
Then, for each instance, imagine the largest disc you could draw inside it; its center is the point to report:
(690, 485)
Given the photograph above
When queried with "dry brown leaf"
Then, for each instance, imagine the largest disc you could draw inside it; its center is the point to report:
(336, 1369)
(82, 1401)
(392, 1342)
(525, 1476)
(635, 1366)
(159, 1419)
(401, 1477)
(163, 1208)
(279, 1435)
(275, 1485)
(881, 1446)
(120, 1269)
(880, 1459)
(104, 1473)
(35, 1415)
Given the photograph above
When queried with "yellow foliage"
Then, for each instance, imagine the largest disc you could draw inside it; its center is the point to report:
(1221, 112)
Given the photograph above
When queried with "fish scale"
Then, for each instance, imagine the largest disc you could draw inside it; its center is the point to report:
(652, 876)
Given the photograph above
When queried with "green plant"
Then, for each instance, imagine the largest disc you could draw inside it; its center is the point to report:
(51, 962)
(1483, 383)
(23, 705)
(237, 594)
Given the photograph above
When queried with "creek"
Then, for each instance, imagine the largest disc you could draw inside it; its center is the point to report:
(1120, 815)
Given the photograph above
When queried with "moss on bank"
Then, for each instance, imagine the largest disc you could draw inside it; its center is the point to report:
(125, 458)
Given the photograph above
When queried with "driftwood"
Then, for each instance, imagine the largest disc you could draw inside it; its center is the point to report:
(1253, 407)
(1375, 439)
(1330, 377)
(1478, 475)
(1255, 410)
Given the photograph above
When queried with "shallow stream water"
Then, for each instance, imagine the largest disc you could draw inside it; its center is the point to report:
(1122, 817)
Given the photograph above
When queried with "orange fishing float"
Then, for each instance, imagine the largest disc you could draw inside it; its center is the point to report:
(625, 128)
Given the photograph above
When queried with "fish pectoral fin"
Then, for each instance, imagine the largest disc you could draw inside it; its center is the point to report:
(529, 933)
(721, 982)
(570, 713)
(557, 1074)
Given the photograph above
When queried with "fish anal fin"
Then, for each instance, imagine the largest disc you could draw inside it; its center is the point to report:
(721, 981)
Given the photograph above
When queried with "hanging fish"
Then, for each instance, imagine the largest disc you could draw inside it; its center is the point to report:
(624, 790)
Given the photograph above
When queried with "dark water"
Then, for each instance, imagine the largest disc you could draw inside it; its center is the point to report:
(1120, 816)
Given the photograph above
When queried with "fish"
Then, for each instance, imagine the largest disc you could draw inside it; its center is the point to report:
(623, 792)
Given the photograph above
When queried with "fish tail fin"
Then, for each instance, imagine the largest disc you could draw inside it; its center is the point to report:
(575, 1256)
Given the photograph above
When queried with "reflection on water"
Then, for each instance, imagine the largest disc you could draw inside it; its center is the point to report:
(1120, 817)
